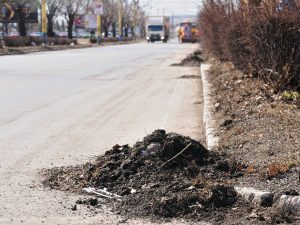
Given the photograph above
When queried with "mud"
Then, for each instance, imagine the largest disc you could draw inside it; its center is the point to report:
(189, 77)
(193, 60)
(164, 176)
(33, 49)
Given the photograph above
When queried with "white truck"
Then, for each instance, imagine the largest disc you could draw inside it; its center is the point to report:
(158, 28)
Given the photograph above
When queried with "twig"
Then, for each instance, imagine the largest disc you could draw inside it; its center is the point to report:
(102, 193)
(176, 155)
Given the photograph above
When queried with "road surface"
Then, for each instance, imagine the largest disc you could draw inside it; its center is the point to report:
(63, 108)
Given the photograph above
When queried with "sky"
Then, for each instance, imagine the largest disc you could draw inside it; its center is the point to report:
(170, 7)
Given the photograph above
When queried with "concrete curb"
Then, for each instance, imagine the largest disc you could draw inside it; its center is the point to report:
(289, 204)
(209, 123)
(261, 198)
(212, 139)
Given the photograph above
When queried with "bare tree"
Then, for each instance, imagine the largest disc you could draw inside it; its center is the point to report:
(53, 8)
(141, 22)
(128, 16)
(21, 8)
(70, 9)
(57, 25)
(133, 16)
(109, 17)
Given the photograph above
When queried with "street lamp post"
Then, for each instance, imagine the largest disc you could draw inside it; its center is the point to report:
(44, 20)
(99, 12)
(99, 27)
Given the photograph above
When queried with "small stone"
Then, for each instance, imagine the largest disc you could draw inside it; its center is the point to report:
(79, 201)
(191, 188)
(267, 200)
(74, 207)
(253, 215)
(93, 201)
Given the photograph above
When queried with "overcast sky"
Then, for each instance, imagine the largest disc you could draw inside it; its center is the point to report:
(169, 7)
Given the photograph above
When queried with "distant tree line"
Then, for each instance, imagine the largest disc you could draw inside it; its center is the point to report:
(132, 13)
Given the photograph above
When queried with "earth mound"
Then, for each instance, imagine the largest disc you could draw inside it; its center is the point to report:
(165, 175)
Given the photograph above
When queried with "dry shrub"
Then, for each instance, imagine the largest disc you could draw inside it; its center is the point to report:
(261, 38)
(110, 39)
(17, 41)
(61, 41)
(215, 17)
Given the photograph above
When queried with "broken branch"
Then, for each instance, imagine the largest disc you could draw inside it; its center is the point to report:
(176, 155)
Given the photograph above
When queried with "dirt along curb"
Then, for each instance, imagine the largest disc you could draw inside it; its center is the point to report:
(285, 203)
(47, 48)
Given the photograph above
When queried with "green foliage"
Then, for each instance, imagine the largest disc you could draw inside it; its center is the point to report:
(291, 95)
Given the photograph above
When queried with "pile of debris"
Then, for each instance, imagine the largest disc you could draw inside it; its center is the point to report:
(192, 60)
(166, 175)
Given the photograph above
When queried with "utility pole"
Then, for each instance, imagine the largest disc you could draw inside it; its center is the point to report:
(99, 12)
(44, 20)
(99, 25)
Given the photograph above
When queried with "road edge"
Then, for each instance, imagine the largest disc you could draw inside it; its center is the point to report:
(28, 50)
(209, 123)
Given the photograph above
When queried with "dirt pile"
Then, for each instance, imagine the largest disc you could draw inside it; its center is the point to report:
(193, 60)
(166, 175)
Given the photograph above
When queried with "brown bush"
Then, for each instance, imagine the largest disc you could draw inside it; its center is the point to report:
(109, 39)
(1, 43)
(61, 41)
(28, 41)
(215, 18)
(17, 41)
(260, 38)
(275, 47)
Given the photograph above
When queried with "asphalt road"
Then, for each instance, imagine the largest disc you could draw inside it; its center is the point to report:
(62, 108)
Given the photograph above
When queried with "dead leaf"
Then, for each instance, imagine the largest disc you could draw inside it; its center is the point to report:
(273, 170)
(284, 168)
(250, 169)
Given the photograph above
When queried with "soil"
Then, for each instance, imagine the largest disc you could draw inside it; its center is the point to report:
(164, 176)
(259, 128)
(189, 77)
(26, 50)
(32, 49)
(193, 60)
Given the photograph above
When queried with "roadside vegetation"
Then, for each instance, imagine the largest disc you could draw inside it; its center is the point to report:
(254, 49)
(260, 38)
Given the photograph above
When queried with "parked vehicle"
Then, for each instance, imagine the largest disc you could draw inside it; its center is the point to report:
(36, 34)
(63, 34)
(13, 34)
(83, 35)
(158, 29)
